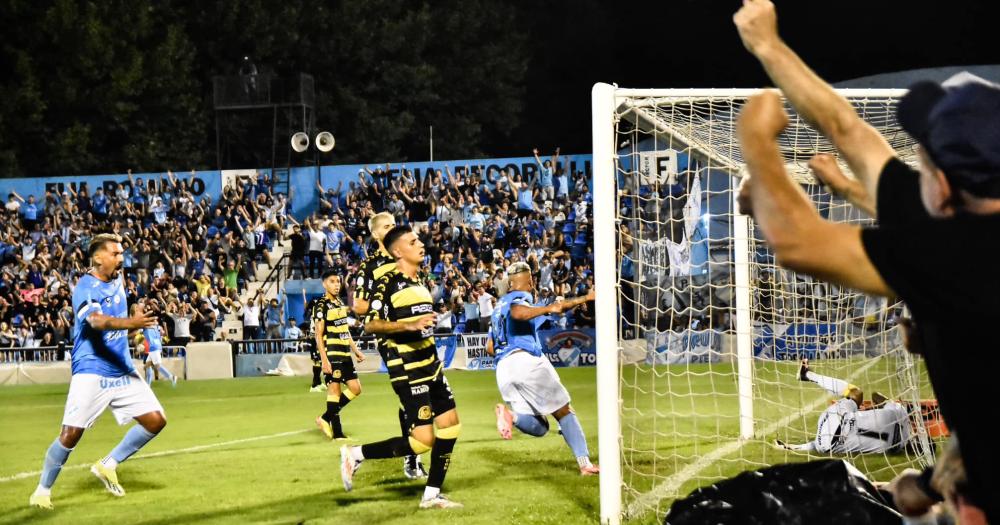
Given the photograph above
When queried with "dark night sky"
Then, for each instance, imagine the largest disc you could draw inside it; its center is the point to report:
(685, 44)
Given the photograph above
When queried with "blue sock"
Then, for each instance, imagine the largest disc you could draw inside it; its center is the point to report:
(531, 424)
(134, 439)
(165, 373)
(573, 434)
(55, 458)
(149, 374)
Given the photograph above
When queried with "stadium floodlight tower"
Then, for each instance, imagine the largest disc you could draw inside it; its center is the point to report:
(699, 332)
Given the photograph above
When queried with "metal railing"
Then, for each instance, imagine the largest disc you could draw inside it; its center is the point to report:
(62, 352)
(284, 346)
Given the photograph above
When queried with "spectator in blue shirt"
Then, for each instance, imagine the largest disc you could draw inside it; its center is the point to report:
(546, 175)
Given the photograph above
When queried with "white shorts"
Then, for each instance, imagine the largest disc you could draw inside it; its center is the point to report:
(89, 394)
(530, 384)
(155, 357)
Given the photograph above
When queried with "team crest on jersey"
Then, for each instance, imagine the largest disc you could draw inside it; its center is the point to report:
(118, 299)
(424, 412)
(336, 374)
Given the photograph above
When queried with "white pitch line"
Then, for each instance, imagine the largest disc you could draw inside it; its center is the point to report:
(23, 475)
(644, 503)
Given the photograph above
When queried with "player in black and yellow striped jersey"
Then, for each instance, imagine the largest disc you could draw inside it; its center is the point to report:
(335, 346)
(308, 327)
(371, 270)
(402, 312)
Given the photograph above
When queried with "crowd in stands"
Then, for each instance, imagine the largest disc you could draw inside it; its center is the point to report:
(190, 258)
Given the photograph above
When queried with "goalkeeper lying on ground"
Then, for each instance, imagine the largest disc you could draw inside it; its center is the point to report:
(845, 429)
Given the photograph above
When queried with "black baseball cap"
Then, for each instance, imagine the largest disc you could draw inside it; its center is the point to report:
(958, 123)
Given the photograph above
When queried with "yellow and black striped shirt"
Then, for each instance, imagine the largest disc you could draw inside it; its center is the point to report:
(336, 335)
(400, 299)
(371, 270)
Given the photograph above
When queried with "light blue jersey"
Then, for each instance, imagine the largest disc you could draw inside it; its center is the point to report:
(104, 353)
(154, 341)
(509, 334)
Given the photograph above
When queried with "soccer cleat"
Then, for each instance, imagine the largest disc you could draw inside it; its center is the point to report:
(413, 468)
(324, 425)
(109, 477)
(440, 502)
(318, 388)
(803, 369)
(348, 466)
(41, 501)
(590, 470)
(340, 436)
(504, 421)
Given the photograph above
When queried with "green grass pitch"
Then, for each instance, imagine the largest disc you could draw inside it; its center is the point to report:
(247, 451)
(294, 478)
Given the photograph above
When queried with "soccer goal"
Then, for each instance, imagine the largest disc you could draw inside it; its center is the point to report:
(699, 352)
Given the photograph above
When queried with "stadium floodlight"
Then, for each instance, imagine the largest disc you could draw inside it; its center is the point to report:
(699, 332)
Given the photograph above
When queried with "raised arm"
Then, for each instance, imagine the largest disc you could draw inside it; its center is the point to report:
(825, 169)
(864, 149)
(801, 240)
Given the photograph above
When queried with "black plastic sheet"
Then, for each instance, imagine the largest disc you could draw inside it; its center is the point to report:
(811, 493)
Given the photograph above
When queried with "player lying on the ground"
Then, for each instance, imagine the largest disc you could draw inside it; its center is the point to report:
(526, 378)
(845, 429)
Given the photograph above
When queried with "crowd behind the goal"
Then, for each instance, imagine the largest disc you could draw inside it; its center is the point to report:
(192, 257)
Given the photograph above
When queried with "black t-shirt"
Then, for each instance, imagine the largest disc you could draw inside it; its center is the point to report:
(945, 270)
(298, 244)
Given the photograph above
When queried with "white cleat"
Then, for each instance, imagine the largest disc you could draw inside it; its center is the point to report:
(440, 502)
(348, 466)
(413, 468)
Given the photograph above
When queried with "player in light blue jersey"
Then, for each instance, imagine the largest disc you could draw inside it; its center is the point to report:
(527, 380)
(152, 339)
(103, 374)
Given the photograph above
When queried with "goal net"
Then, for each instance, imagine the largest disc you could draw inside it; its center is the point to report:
(699, 357)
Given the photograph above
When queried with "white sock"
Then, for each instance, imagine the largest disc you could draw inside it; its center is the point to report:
(837, 387)
(42, 491)
(584, 461)
(356, 453)
(109, 462)
(431, 492)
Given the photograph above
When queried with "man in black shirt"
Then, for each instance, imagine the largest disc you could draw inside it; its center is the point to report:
(949, 209)
(298, 256)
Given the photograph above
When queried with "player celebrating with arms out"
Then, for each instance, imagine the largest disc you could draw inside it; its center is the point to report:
(402, 312)
(526, 378)
(103, 374)
(334, 344)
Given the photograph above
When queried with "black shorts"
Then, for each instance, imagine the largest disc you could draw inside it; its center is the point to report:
(343, 371)
(313, 354)
(426, 400)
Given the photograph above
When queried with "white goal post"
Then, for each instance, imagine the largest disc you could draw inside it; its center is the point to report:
(699, 333)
